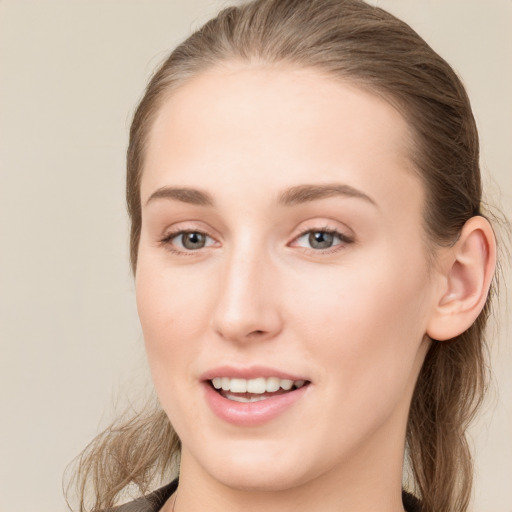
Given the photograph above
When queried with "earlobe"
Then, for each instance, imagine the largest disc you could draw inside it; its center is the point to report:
(466, 275)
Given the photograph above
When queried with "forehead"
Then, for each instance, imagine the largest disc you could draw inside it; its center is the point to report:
(266, 126)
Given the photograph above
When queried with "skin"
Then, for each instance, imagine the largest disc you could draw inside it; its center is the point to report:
(353, 318)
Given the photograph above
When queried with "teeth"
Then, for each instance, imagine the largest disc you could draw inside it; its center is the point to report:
(238, 398)
(273, 384)
(238, 386)
(256, 386)
(286, 384)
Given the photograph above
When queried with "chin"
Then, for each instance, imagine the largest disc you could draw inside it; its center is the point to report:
(256, 479)
(257, 466)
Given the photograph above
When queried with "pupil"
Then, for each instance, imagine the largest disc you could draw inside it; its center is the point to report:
(193, 240)
(320, 240)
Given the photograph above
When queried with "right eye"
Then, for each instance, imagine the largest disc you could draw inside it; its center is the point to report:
(187, 241)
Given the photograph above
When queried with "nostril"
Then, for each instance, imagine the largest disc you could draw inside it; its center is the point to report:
(257, 334)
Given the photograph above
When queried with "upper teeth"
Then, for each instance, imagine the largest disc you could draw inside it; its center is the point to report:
(258, 385)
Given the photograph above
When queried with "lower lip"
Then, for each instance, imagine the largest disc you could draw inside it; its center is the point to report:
(250, 414)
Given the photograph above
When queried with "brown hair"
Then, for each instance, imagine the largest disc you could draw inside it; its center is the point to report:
(352, 41)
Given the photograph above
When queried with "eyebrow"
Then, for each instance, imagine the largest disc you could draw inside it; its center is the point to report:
(183, 194)
(290, 197)
(306, 193)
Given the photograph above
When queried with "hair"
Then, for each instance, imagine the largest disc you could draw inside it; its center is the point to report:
(354, 42)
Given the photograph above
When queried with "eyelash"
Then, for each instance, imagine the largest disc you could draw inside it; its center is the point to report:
(167, 241)
(343, 240)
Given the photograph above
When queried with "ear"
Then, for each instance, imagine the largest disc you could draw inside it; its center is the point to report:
(467, 269)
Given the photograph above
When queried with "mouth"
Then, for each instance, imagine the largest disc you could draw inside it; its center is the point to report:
(253, 396)
(256, 389)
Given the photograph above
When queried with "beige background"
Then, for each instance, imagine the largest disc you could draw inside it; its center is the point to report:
(70, 74)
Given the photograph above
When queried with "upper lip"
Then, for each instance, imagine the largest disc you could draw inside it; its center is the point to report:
(249, 372)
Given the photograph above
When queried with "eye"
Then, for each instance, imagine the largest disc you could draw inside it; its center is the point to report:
(321, 239)
(185, 241)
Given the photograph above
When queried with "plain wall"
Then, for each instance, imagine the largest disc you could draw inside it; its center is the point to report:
(71, 72)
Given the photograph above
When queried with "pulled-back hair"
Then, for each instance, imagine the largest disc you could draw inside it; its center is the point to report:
(354, 42)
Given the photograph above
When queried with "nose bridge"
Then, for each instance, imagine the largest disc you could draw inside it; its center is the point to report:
(246, 306)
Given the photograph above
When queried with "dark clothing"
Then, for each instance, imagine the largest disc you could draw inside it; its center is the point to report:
(152, 502)
(155, 501)
(411, 503)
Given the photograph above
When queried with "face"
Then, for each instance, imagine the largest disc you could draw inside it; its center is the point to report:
(282, 259)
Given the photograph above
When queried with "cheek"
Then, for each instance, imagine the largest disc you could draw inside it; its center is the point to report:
(169, 316)
(169, 312)
(366, 321)
(352, 300)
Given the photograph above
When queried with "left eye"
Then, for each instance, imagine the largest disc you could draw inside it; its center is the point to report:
(190, 240)
(321, 239)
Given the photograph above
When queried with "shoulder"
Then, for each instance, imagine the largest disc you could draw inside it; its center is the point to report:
(151, 503)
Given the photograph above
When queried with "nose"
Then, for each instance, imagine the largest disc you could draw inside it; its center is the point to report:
(247, 307)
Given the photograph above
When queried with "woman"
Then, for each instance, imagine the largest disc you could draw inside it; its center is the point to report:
(312, 269)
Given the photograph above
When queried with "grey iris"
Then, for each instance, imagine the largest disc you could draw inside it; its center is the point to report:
(320, 239)
(193, 240)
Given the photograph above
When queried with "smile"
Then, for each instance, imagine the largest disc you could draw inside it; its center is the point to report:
(255, 395)
(253, 390)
